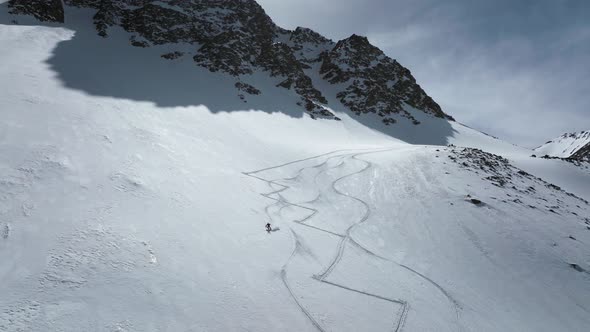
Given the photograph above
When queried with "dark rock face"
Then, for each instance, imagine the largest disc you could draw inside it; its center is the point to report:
(237, 37)
(279, 60)
(241, 86)
(43, 10)
(475, 201)
(375, 83)
(583, 154)
(307, 44)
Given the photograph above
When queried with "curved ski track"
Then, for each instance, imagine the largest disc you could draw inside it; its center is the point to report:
(347, 237)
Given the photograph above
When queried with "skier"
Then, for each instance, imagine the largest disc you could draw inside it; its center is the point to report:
(268, 228)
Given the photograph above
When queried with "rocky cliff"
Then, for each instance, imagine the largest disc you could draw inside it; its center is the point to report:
(237, 37)
(574, 146)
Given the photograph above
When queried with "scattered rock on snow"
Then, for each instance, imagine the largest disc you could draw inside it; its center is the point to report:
(476, 201)
(577, 267)
(43, 10)
(5, 231)
(172, 55)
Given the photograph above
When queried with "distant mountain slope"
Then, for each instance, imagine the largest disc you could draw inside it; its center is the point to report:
(238, 38)
(567, 145)
(583, 153)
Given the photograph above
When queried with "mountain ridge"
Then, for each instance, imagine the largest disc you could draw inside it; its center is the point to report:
(575, 146)
(237, 37)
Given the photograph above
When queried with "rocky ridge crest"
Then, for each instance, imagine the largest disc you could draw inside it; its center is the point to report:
(237, 37)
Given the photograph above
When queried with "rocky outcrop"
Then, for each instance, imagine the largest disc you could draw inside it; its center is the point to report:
(374, 83)
(237, 37)
(43, 10)
(307, 45)
(279, 60)
(583, 154)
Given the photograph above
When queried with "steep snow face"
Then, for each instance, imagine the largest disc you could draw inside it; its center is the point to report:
(565, 145)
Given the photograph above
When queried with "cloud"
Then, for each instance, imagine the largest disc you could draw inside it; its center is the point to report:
(517, 70)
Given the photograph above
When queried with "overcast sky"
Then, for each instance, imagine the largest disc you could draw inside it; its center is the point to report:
(516, 69)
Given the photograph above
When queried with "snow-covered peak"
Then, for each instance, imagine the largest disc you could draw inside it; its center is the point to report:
(566, 145)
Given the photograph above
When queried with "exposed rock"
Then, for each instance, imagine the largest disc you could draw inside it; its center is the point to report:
(43, 10)
(279, 60)
(577, 267)
(583, 154)
(237, 37)
(308, 45)
(172, 55)
(375, 83)
(476, 201)
(5, 231)
(241, 86)
(501, 173)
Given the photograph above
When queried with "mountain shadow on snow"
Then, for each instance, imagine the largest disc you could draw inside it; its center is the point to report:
(113, 53)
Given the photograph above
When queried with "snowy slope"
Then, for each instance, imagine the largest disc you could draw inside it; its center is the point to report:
(123, 214)
(405, 235)
(565, 145)
(574, 178)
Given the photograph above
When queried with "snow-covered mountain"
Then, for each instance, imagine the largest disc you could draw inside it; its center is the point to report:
(569, 145)
(135, 183)
(238, 38)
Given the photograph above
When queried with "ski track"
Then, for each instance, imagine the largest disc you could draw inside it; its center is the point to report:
(286, 283)
(404, 304)
(346, 238)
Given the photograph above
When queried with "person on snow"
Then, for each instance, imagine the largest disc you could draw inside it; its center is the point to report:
(268, 228)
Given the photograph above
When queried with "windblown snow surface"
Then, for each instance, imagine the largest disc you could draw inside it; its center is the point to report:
(124, 215)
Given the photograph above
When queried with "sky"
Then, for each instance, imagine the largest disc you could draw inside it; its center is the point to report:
(518, 70)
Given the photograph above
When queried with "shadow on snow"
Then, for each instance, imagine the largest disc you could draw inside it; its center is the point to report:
(111, 67)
